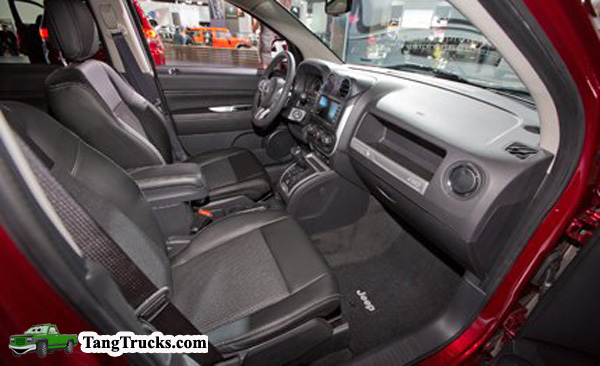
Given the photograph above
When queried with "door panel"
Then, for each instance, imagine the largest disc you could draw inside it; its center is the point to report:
(198, 101)
(52, 337)
(564, 327)
(195, 89)
(211, 108)
(213, 122)
(191, 92)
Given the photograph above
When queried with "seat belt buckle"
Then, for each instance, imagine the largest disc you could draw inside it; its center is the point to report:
(201, 220)
(148, 310)
(204, 213)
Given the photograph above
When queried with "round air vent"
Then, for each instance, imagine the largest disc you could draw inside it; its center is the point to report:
(463, 179)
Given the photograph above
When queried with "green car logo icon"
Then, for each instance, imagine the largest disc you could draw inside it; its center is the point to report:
(42, 339)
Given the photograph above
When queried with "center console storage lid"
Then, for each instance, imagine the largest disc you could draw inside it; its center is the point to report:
(170, 184)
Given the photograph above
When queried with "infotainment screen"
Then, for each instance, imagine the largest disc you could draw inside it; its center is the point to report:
(327, 109)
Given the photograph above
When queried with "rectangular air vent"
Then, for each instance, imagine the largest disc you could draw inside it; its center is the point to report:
(344, 88)
(520, 150)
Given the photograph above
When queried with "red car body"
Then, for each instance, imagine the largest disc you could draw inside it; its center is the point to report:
(570, 30)
(157, 49)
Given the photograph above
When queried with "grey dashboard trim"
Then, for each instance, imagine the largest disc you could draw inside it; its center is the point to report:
(399, 172)
(341, 126)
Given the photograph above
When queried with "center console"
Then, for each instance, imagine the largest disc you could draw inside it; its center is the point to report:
(317, 196)
(314, 193)
(328, 113)
(321, 131)
(171, 190)
(305, 168)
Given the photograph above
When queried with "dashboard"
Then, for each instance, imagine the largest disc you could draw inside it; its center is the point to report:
(319, 98)
(455, 162)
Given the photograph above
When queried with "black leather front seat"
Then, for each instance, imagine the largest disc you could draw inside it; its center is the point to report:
(243, 280)
(95, 102)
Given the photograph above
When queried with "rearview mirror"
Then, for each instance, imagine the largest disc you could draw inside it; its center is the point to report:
(338, 7)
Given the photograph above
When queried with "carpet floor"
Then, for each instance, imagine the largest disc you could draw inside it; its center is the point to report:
(376, 262)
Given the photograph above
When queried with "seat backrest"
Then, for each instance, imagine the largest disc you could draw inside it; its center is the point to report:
(138, 232)
(94, 101)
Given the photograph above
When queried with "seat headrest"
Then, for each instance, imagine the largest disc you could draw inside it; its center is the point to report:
(72, 28)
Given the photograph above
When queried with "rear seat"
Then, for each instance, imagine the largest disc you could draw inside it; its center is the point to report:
(243, 280)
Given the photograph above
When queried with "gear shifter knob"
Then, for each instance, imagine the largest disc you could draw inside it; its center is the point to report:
(298, 156)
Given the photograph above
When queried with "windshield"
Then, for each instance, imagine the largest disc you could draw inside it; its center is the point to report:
(426, 36)
(37, 329)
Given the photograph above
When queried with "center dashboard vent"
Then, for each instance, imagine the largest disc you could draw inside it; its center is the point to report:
(344, 89)
(520, 150)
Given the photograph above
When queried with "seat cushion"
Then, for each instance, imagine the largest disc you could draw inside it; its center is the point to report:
(249, 277)
(233, 172)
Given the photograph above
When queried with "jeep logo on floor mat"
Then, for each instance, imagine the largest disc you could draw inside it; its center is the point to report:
(363, 297)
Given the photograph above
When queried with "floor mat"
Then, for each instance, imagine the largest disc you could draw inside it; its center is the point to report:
(393, 293)
(370, 236)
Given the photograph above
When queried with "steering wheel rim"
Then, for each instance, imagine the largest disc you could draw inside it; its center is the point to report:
(272, 93)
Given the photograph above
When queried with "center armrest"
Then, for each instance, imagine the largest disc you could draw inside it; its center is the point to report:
(170, 184)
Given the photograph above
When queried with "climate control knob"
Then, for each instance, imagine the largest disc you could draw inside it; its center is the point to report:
(327, 140)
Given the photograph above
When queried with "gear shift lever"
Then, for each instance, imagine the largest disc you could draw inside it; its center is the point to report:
(298, 156)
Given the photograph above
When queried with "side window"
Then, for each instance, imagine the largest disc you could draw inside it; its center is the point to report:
(22, 34)
(52, 330)
(209, 33)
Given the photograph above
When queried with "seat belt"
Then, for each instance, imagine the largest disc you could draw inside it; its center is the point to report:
(76, 210)
(141, 83)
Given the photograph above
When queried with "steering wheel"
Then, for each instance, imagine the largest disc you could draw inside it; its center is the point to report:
(273, 91)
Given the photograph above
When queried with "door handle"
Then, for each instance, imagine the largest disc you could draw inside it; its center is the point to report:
(173, 71)
(230, 108)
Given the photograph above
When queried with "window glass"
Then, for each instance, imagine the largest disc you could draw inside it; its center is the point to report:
(22, 33)
(30, 12)
(9, 41)
(52, 330)
(426, 36)
(38, 329)
(210, 33)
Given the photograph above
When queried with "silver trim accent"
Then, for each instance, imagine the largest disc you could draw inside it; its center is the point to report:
(291, 116)
(479, 177)
(262, 113)
(230, 108)
(398, 171)
(149, 306)
(311, 157)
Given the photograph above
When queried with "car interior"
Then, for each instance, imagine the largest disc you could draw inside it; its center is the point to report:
(331, 213)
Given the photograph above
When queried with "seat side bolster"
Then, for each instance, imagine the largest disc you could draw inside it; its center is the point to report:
(318, 300)
(95, 121)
